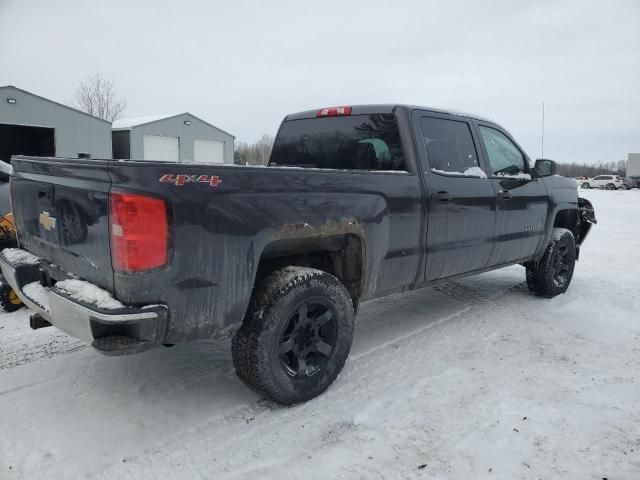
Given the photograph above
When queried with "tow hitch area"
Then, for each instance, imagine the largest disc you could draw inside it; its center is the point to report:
(36, 321)
(80, 308)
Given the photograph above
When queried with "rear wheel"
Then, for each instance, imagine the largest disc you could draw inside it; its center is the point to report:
(552, 275)
(9, 301)
(296, 336)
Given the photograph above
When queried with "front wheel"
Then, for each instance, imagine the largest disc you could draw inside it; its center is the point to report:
(586, 186)
(552, 275)
(296, 336)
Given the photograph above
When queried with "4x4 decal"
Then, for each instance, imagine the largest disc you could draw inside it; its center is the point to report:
(180, 180)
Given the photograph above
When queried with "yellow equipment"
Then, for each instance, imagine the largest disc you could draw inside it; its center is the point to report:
(9, 301)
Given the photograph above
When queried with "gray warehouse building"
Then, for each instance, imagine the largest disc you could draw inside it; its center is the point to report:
(179, 137)
(34, 125)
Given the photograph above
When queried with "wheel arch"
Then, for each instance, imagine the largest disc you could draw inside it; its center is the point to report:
(340, 254)
(560, 215)
(567, 218)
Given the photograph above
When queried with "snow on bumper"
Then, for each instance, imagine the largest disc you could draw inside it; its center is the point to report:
(81, 309)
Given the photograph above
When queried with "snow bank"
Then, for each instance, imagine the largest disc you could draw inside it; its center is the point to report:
(469, 172)
(19, 256)
(89, 293)
(36, 292)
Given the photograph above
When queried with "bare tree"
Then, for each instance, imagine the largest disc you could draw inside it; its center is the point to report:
(263, 148)
(255, 154)
(97, 96)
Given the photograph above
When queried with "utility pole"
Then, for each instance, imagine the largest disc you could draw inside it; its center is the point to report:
(542, 154)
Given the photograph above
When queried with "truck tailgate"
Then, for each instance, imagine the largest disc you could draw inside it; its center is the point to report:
(61, 209)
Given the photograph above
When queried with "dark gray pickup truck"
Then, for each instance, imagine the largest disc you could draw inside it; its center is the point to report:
(356, 203)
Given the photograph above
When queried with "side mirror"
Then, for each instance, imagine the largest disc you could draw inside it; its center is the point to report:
(5, 171)
(545, 167)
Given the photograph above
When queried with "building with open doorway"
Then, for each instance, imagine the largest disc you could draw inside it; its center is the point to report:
(180, 137)
(34, 125)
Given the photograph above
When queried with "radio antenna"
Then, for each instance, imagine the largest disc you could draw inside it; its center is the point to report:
(542, 141)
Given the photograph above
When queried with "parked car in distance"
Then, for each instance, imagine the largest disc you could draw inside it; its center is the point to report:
(607, 182)
(582, 182)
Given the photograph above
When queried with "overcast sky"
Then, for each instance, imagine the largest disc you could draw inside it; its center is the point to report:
(243, 65)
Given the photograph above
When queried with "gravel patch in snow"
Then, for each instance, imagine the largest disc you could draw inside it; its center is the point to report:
(89, 293)
(19, 256)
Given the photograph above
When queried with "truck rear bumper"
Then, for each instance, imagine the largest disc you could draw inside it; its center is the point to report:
(118, 331)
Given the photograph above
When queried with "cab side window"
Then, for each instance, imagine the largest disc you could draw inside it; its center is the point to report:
(450, 147)
(504, 157)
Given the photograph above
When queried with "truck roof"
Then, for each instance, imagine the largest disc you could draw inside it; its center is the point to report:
(387, 108)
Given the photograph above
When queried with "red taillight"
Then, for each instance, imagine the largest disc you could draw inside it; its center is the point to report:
(334, 112)
(139, 232)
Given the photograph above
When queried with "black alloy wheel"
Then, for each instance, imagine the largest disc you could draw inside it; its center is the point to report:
(552, 274)
(308, 339)
(561, 264)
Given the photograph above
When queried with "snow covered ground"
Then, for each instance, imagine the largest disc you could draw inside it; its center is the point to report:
(473, 379)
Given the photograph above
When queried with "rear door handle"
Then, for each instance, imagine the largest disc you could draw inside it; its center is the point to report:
(441, 196)
(504, 194)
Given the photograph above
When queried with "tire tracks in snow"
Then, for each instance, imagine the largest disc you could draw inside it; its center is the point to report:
(20, 345)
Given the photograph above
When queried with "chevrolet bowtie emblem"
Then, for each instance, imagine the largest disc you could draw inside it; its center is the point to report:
(47, 221)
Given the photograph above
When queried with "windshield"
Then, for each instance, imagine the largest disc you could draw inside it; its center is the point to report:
(358, 142)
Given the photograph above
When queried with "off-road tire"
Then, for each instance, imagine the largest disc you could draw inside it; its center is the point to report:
(552, 275)
(275, 304)
(9, 301)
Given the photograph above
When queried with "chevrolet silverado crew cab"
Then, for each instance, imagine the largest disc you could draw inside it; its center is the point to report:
(356, 203)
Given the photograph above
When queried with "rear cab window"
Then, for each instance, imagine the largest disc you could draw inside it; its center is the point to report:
(353, 142)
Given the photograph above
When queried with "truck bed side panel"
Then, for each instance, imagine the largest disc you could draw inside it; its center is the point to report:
(220, 232)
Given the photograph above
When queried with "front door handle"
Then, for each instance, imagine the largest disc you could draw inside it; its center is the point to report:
(441, 196)
(504, 194)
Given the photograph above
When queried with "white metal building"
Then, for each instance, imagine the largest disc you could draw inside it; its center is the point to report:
(179, 137)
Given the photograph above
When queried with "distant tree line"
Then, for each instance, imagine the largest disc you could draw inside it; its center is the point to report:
(576, 169)
(254, 153)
